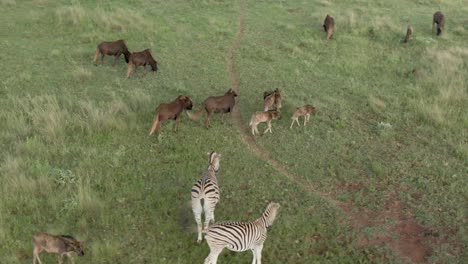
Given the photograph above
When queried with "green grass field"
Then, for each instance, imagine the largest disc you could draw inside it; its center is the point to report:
(77, 159)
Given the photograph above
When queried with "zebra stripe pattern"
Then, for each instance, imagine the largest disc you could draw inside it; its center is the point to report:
(205, 194)
(238, 236)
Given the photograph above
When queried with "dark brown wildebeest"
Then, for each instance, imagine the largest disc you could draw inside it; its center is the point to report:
(216, 104)
(141, 58)
(61, 244)
(112, 48)
(438, 19)
(329, 26)
(170, 110)
(409, 34)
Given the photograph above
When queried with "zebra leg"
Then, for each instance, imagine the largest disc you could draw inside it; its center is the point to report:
(197, 211)
(258, 253)
(212, 257)
(209, 216)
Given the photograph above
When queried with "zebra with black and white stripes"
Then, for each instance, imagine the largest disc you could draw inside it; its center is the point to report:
(205, 194)
(238, 236)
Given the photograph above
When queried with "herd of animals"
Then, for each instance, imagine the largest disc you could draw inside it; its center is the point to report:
(205, 193)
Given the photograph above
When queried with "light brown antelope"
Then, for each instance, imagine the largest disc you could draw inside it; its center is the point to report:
(272, 100)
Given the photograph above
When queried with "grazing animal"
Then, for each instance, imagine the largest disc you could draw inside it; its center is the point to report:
(141, 58)
(61, 244)
(238, 236)
(409, 34)
(205, 194)
(438, 19)
(305, 111)
(329, 26)
(260, 117)
(216, 104)
(170, 110)
(112, 48)
(272, 100)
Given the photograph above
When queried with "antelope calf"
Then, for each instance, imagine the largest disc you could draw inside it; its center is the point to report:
(61, 245)
(272, 100)
(261, 117)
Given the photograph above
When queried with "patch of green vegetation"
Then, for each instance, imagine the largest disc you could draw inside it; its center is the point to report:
(76, 158)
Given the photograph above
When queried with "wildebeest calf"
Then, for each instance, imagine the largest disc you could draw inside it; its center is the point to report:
(61, 244)
(112, 48)
(216, 104)
(329, 26)
(141, 58)
(305, 111)
(272, 100)
(170, 110)
(438, 19)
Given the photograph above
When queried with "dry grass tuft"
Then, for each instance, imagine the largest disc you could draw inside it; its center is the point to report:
(47, 117)
(119, 20)
(8, 2)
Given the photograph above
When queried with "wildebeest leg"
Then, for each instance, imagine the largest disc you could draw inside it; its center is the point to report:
(176, 125)
(36, 252)
(102, 58)
(117, 56)
(130, 69)
(253, 129)
(60, 258)
(207, 121)
(70, 256)
(292, 123)
(96, 57)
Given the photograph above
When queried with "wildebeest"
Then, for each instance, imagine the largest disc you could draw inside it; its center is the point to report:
(272, 100)
(305, 111)
(170, 110)
(141, 58)
(112, 48)
(329, 26)
(61, 244)
(261, 117)
(438, 19)
(216, 104)
(409, 34)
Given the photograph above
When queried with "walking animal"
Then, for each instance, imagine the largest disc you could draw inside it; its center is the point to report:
(216, 104)
(260, 117)
(205, 194)
(141, 58)
(438, 19)
(112, 48)
(409, 34)
(61, 245)
(305, 111)
(238, 236)
(170, 110)
(329, 26)
(272, 100)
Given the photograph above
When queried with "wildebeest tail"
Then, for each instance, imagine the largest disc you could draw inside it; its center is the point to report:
(197, 115)
(155, 123)
(96, 56)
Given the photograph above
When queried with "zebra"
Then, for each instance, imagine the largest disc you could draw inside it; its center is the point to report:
(205, 194)
(238, 236)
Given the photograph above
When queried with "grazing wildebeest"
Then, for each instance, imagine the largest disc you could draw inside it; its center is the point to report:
(438, 19)
(216, 104)
(409, 34)
(112, 48)
(61, 244)
(272, 100)
(170, 110)
(141, 58)
(329, 26)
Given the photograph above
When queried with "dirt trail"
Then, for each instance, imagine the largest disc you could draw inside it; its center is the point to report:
(401, 231)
